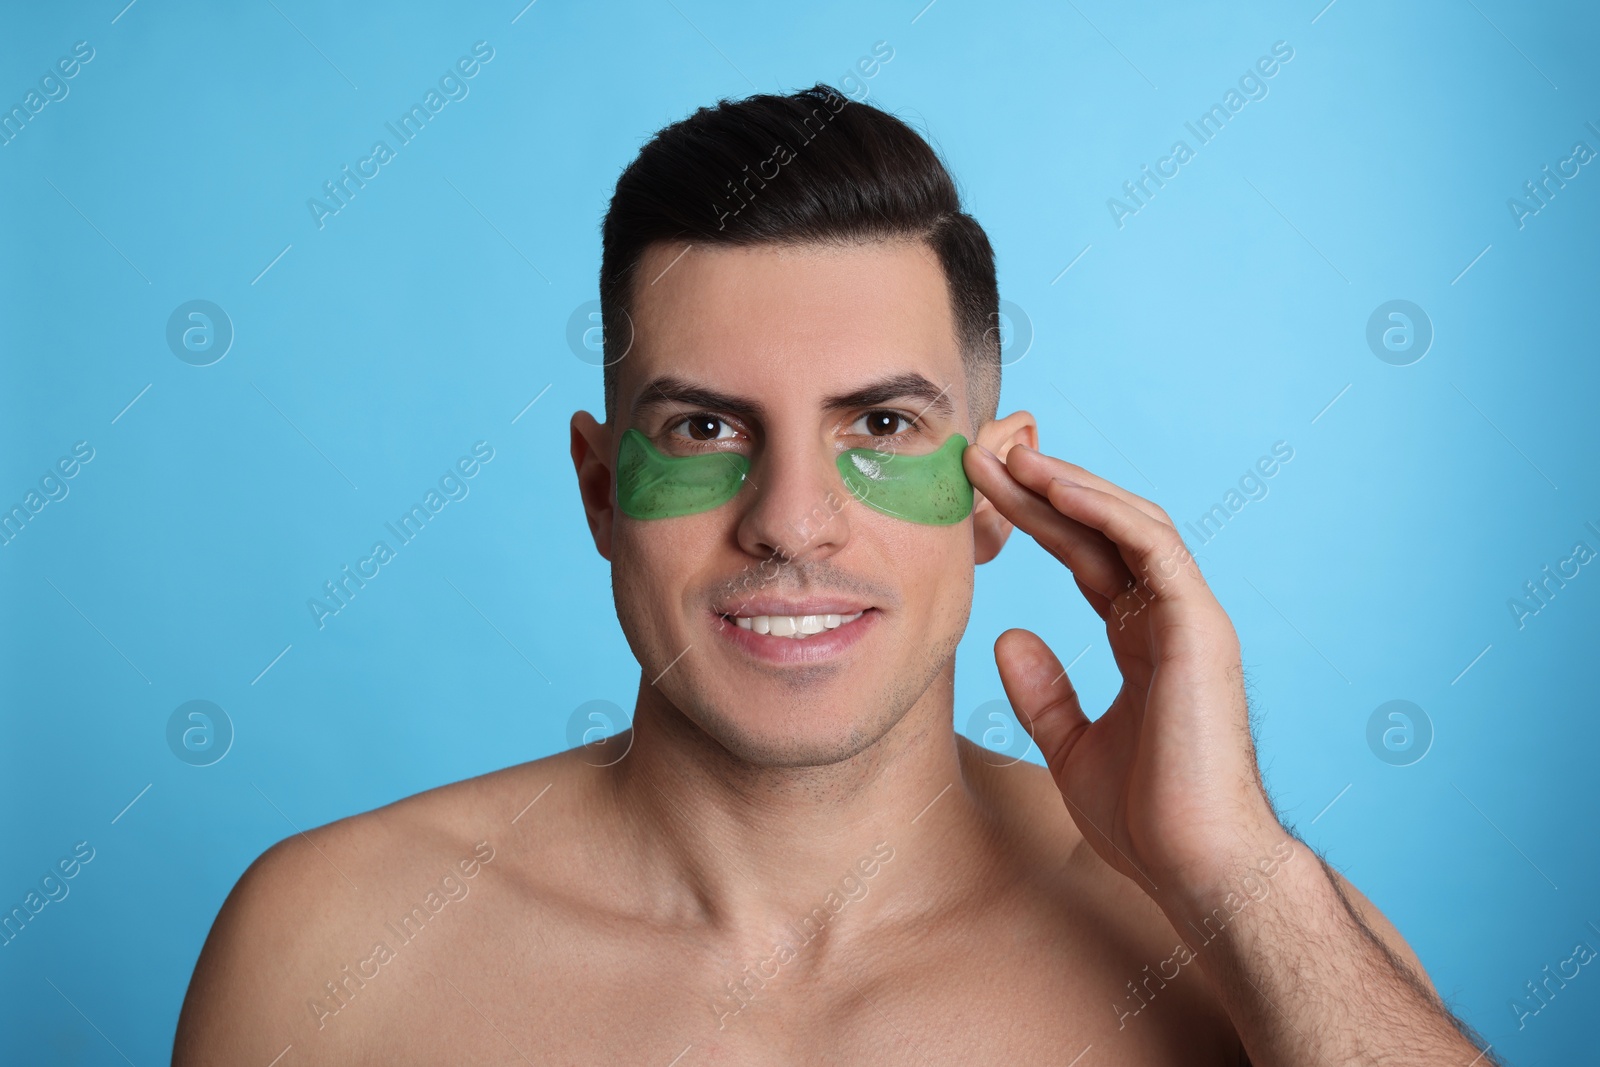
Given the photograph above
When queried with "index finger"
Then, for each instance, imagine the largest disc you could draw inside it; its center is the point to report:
(1036, 470)
(1091, 555)
(1143, 548)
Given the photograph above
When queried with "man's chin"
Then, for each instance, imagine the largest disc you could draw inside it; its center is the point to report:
(793, 739)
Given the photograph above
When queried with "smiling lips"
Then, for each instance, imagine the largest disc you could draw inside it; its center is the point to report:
(797, 626)
(825, 625)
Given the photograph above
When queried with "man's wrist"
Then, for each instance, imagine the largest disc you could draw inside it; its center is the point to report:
(1245, 867)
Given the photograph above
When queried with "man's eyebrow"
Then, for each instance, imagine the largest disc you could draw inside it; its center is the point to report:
(668, 388)
(908, 386)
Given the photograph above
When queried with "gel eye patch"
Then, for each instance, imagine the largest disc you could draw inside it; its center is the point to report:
(931, 489)
(651, 485)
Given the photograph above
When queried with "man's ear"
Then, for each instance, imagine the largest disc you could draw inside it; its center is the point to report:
(989, 528)
(591, 456)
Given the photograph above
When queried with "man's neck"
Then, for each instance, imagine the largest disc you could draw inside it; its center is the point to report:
(750, 848)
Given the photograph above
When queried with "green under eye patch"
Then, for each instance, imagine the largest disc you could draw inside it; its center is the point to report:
(651, 485)
(931, 489)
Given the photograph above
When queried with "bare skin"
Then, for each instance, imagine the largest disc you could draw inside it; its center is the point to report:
(802, 862)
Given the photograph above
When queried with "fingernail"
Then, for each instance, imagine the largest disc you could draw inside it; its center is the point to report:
(986, 452)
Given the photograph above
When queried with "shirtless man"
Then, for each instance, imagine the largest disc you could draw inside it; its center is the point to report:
(791, 857)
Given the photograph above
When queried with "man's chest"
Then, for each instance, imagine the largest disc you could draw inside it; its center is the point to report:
(946, 1000)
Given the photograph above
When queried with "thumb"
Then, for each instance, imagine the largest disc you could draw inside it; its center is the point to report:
(1041, 694)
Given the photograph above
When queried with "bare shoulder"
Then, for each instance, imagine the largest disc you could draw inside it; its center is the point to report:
(1020, 793)
(1037, 827)
(319, 914)
(1127, 963)
(1038, 816)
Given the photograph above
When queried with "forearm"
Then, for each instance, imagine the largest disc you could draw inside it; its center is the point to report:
(1301, 977)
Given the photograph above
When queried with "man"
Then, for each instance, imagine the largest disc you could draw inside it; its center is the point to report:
(791, 857)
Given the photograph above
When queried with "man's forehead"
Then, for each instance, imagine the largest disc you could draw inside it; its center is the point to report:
(805, 325)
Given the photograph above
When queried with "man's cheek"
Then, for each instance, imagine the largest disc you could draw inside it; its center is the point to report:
(657, 572)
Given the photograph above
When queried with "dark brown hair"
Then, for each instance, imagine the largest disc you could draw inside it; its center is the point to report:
(810, 167)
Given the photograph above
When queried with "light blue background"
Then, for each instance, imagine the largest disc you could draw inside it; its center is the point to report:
(1223, 317)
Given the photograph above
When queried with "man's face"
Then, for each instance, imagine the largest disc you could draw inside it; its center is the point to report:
(809, 351)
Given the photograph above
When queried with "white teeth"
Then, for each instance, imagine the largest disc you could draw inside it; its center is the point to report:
(795, 626)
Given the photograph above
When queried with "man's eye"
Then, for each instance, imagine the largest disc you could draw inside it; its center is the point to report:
(884, 423)
(703, 428)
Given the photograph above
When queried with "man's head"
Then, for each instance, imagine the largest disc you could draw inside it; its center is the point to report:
(811, 168)
(787, 278)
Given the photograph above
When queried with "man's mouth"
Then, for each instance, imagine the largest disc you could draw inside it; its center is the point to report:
(794, 630)
(797, 627)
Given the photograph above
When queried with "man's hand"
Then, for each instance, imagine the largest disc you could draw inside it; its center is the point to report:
(1164, 785)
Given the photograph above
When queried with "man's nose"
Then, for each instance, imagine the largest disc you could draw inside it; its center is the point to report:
(799, 502)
